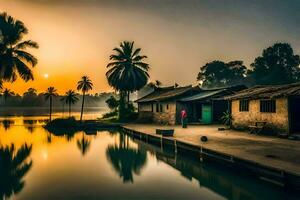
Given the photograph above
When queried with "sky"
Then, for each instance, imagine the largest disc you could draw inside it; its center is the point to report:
(76, 37)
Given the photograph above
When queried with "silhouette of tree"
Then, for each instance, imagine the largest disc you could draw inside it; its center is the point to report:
(13, 56)
(85, 84)
(277, 65)
(112, 103)
(220, 74)
(127, 71)
(14, 165)
(70, 98)
(155, 84)
(126, 160)
(6, 94)
(83, 144)
(49, 94)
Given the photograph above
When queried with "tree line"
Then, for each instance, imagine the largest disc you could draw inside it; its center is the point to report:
(128, 72)
(277, 65)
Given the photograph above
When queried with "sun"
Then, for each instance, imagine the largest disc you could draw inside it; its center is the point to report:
(46, 76)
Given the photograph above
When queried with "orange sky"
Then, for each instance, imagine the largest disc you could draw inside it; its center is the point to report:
(77, 38)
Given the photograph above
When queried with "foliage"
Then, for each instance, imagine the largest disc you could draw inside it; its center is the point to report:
(50, 93)
(70, 98)
(227, 118)
(127, 71)
(219, 74)
(14, 59)
(277, 65)
(110, 114)
(112, 103)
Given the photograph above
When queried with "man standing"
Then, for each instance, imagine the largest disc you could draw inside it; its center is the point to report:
(184, 118)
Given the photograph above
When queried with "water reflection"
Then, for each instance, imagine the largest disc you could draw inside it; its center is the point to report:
(6, 123)
(125, 159)
(83, 144)
(14, 165)
(227, 183)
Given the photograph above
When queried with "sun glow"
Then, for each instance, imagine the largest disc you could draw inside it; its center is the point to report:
(46, 76)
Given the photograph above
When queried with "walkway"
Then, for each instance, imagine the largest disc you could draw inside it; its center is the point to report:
(275, 152)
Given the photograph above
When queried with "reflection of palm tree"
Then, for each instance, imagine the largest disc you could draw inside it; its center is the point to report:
(126, 160)
(14, 165)
(6, 123)
(85, 84)
(83, 144)
(50, 93)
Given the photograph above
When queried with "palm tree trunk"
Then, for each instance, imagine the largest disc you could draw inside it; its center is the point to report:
(128, 96)
(82, 105)
(69, 110)
(50, 108)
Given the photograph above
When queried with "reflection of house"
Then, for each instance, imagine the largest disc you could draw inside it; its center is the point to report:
(277, 106)
(164, 104)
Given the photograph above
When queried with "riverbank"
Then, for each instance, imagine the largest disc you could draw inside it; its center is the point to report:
(273, 159)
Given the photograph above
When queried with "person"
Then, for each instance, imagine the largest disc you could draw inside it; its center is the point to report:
(184, 118)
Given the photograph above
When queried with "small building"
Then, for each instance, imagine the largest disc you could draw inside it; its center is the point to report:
(278, 106)
(164, 105)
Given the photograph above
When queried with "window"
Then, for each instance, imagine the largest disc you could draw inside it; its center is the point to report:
(157, 107)
(268, 106)
(151, 107)
(160, 108)
(167, 106)
(244, 105)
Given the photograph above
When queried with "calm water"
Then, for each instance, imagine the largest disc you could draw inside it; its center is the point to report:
(110, 165)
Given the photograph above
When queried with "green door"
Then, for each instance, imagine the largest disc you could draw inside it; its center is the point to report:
(206, 114)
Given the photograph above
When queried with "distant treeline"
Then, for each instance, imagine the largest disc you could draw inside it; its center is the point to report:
(33, 99)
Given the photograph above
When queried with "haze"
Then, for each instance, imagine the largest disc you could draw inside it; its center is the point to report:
(76, 37)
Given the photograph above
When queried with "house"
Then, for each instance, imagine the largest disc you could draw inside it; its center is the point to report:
(164, 105)
(278, 106)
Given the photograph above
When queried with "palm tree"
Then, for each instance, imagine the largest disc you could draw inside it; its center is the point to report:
(14, 165)
(127, 71)
(14, 59)
(85, 84)
(50, 93)
(6, 94)
(70, 98)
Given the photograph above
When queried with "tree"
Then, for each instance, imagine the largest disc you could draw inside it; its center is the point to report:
(6, 94)
(14, 59)
(70, 98)
(112, 103)
(277, 65)
(155, 84)
(85, 84)
(127, 71)
(50, 93)
(219, 74)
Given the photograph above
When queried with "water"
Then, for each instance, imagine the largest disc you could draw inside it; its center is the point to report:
(110, 165)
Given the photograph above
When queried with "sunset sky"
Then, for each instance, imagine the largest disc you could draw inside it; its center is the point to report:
(76, 37)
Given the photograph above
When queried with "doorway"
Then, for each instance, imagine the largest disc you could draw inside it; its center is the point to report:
(294, 108)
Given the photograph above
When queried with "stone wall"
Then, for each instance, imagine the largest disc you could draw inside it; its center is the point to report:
(277, 122)
(164, 114)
